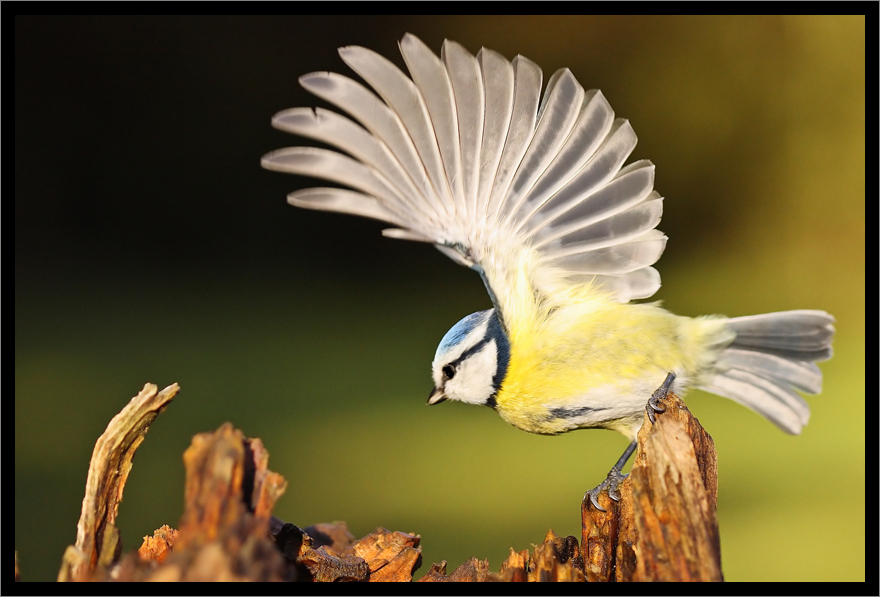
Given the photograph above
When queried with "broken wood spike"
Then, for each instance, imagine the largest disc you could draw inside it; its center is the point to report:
(674, 501)
(516, 567)
(557, 559)
(97, 538)
(229, 497)
(664, 527)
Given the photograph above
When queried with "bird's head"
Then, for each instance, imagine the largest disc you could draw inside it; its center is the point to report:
(471, 361)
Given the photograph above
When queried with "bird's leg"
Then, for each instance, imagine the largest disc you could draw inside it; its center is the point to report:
(613, 480)
(615, 476)
(659, 394)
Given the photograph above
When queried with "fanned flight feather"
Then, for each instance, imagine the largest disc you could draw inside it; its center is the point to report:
(466, 155)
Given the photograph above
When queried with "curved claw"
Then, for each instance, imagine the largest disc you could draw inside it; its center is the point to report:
(611, 483)
(653, 405)
(594, 501)
(613, 493)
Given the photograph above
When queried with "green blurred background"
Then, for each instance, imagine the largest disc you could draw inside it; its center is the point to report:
(151, 247)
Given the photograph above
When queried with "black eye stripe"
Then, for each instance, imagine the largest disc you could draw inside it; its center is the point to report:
(469, 353)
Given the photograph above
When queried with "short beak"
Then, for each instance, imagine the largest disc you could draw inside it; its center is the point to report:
(436, 397)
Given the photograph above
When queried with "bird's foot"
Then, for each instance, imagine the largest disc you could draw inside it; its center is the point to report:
(611, 483)
(653, 405)
(613, 480)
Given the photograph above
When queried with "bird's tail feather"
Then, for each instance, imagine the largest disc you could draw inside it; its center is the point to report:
(772, 356)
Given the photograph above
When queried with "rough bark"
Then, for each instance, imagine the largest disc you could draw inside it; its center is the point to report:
(663, 528)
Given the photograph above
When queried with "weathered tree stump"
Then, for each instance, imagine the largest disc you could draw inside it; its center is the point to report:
(663, 528)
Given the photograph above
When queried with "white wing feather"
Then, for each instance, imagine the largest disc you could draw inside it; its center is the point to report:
(432, 81)
(558, 113)
(464, 74)
(526, 95)
(384, 124)
(403, 97)
(464, 156)
(497, 79)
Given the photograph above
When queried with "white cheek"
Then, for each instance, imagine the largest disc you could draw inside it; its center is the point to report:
(473, 380)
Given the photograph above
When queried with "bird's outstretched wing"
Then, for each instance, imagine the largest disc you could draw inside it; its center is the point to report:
(463, 155)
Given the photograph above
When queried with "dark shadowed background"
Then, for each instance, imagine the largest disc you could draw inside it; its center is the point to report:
(151, 246)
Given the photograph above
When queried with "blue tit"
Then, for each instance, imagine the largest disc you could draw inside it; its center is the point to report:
(532, 193)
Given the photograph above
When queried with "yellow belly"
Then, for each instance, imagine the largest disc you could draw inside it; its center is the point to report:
(598, 363)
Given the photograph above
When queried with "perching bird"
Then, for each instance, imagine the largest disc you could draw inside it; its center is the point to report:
(535, 198)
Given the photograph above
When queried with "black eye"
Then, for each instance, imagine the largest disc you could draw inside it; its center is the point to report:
(448, 371)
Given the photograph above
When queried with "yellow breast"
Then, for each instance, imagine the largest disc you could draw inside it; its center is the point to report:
(601, 355)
